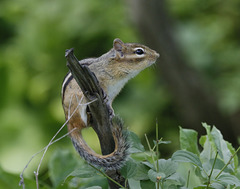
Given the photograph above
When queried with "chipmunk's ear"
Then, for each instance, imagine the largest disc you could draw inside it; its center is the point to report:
(118, 45)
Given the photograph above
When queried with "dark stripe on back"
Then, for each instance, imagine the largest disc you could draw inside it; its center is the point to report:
(66, 83)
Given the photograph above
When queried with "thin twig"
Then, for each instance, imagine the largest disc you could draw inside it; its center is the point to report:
(157, 147)
(45, 151)
(188, 178)
(21, 175)
(209, 176)
(39, 165)
(157, 151)
(227, 163)
(21, 183)
(149, 146)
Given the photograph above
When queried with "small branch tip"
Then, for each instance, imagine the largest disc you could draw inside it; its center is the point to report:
(68, 51)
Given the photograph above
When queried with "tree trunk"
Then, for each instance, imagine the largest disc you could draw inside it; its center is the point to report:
(196, 101)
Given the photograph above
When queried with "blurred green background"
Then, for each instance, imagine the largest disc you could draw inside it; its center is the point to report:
(33, 38)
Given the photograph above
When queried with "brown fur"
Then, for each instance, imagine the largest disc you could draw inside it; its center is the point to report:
(112, 70)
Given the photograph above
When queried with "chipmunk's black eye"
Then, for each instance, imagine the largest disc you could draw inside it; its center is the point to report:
(139, 51)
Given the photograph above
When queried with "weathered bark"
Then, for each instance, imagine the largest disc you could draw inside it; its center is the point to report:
(100, 110)
(196, 101)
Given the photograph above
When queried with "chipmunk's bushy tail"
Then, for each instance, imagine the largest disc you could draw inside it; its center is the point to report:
(112, 161)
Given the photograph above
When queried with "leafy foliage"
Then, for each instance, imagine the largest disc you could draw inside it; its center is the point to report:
(214, 167)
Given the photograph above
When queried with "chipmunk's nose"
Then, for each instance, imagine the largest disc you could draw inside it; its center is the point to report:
(157, 55)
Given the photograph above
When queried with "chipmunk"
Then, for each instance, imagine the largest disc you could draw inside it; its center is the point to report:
(113, 70)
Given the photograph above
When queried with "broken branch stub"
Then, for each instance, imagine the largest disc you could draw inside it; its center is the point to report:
(100, 110)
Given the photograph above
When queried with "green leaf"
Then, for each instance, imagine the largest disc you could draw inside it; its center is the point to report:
(219, 164)
(202, 140)
(209, 149)
(61, 164)
(11, 181)
(207, 128)
(148, 164)
(147, 184)
(238, 173)
(168, 167)
(94, 187)
(221, 145)
(188, 140)
(186, 156)
(212, 143)
(155, 176)
(85, 171)
(96, 181)
(142, 172)
(133, 184)
(201, 175)
(129, 169)
(188, 171)
(217, 185)
(203, 187)
(139, 156)
(135, 142)
(175, 179)
(229, 179)
(172, 186)
(235, 159)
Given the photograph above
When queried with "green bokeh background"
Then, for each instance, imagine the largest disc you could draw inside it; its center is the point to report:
(33, 38)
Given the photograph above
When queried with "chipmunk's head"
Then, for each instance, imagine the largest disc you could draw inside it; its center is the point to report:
(133, 56)
(123, 62)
